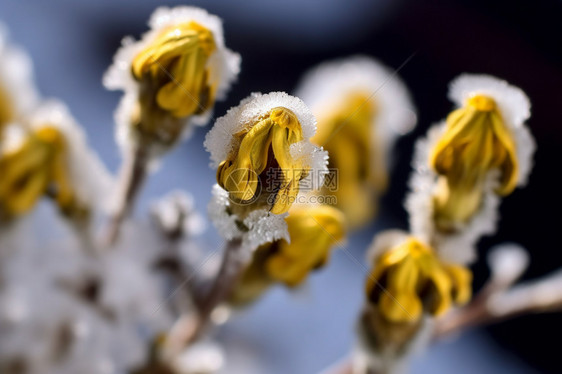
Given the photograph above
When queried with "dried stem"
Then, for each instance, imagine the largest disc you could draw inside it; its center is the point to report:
(502, 305)
(133, 176)
(191, 327)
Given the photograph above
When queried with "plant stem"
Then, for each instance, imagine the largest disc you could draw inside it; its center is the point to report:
(132, 179)
(191, 327)
(500, 306)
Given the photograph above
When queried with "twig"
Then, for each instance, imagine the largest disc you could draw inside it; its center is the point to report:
(133, 176)
(495, 303)
(190, 327)
(538, 297)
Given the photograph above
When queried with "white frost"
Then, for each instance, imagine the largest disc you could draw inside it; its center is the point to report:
(90, 179)
(324, 86)
(223, 64)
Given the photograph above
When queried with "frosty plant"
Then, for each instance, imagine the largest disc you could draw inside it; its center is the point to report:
(419, 287)
(146, 299)
(171, 79)
(362, 108)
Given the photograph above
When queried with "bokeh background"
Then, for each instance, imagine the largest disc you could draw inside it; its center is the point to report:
(72, 43)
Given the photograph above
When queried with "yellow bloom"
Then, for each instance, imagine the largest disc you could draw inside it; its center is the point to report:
(264, 159)
(35, 168)
(314, 231)
(476, 141)
(346, 132)
(409, 279)
(174, 77)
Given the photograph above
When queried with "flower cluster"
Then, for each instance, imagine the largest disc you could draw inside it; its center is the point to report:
(110, 307)
(482, 151)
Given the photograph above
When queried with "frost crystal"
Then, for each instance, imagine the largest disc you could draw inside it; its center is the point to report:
(91, 181)
(263, 226)
(324, 86)
(223, 65)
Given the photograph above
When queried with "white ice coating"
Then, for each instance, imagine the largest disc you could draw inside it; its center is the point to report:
(455, 248)
(263, 226)
(220, 142)
(177, 206)
(513, 105)
(223, 64)
(507, 263)
(460, 246)
(91, 182)
(324, 87)
(110, 333)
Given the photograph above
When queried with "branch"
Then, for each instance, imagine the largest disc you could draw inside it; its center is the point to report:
(544, 295)
(132, 178)
(190, 327)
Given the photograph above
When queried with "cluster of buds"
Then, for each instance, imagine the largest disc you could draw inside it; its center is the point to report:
(482, 151)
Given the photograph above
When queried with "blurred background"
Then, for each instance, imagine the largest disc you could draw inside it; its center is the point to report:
(72, 43)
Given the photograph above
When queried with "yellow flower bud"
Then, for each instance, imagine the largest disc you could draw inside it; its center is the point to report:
(476, 141)
(37, 167)
(264, 159)
(347, 133)
(173, 76)
(409, 279)
(314, 231)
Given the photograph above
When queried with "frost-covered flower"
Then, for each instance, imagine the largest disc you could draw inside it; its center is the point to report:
(314, 230)
(362, 108)
(264, 158)
(172, 76)
(18, 94)
(481, 152)
(408, 280)
(49, 156)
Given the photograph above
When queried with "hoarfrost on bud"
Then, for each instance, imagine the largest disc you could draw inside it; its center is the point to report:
(509, 107)
(325, 85)
(90, 180)
(262, 225)
(254, 197)
(221, 69)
